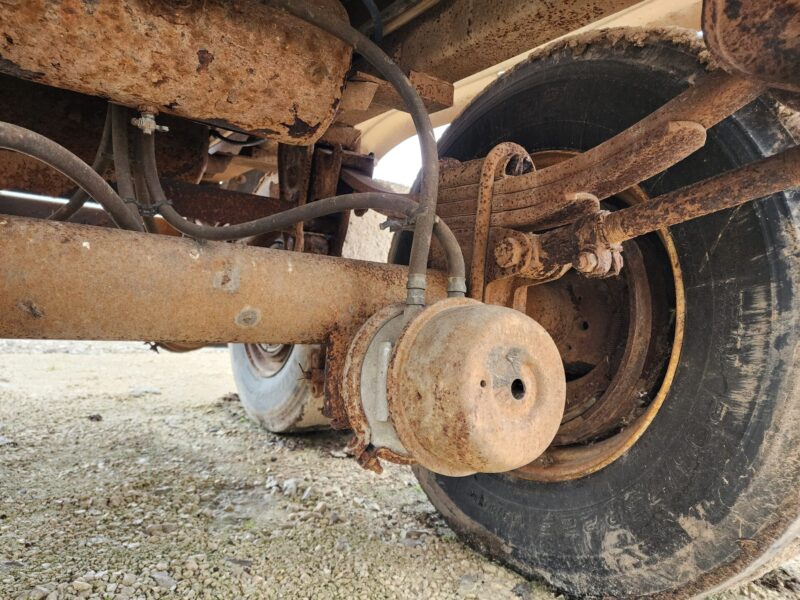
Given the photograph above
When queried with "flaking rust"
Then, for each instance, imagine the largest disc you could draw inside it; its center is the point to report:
(243, 65)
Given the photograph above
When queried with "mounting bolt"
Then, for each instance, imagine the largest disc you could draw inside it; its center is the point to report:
(586, 262)
(508, 252)
(147, 123)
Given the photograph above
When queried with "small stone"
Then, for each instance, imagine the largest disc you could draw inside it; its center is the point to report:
(163, 580)
(289, 487)
(341, 545)
(334, 517)
(128, 579)
(153, 529)
(143, 390)
(81, 586)
(96, 418)
(38, 593)
(468, 586)
(169, 527)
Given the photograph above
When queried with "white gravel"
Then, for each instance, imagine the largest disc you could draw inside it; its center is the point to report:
(130, 474)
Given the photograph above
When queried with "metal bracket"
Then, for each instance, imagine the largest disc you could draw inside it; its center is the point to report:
(149, 210)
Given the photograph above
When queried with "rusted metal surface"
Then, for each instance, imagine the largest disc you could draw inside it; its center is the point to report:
(294, 180)
(457, 38)
(327, 168)
(758, 179)
(566, 460)
(615, 384)
(69, 281)
(342, 135)
(213, 204)
(369, 96)
(76, 122)
(643, 150)
(475, 388)
(368, 445)
(223, 167)
(495, 164)
(602, 233)
(242, 64)
(336, 345)
(206, 203)
(756, 38)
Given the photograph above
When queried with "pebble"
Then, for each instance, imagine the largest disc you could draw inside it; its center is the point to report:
(38, 593)
(163, 580)
(143, 390)
(135, 508)
(81, 586)
(468, 586)
(289, 487)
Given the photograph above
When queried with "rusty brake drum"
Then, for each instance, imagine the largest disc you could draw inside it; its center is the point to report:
(461, 387)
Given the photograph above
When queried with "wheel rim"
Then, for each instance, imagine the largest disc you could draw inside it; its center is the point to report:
(620, 344)
(267, 359)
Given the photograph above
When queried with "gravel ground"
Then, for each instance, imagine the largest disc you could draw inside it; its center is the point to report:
(130, 474)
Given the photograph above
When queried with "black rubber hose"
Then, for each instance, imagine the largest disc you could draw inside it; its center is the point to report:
(426, 213)
(30, 143)
(122, 164)
(102, 161)
(386, 203)
(377, 21)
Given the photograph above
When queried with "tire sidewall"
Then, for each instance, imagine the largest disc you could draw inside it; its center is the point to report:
(705, 496)
(285, 401)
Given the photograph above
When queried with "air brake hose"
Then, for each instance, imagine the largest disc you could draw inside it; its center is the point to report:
(30, 143)
(382, 202)
(425, 216)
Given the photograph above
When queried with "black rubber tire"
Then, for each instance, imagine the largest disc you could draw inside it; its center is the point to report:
(283, 402)
(710, 496)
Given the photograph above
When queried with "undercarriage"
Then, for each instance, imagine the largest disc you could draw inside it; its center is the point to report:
(585, 336)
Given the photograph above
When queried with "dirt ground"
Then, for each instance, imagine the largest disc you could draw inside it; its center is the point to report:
(130, 474)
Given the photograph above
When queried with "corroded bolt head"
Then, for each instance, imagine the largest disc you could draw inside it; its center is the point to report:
(586, 262)
(508, 252)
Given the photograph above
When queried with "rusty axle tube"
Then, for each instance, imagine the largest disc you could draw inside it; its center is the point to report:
(66, 281)
(378, 201)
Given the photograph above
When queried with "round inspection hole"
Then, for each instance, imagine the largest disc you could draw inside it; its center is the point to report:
(585, 325)
(518, 389)
(483, 383)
